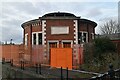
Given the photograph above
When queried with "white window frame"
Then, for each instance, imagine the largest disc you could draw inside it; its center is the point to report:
(59, 30)
(26, 39)
(71, 41)
(92, 36)
(53, 41)
(50, 41)
(36, 37)
(86, 35)
(38, 33)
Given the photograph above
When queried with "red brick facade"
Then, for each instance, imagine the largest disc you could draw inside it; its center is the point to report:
(60, 37)
(73, 30)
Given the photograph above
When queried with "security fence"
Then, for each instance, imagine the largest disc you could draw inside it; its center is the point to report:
(38, 54)
(42, 71)
(110, 75)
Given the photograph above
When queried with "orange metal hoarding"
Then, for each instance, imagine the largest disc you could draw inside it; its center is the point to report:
(61, 57)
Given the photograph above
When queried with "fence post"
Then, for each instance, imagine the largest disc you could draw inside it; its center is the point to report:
(23, 65)
(61, 74)
(39, 68)
(15, 74)
(67, 73)
(118, 73)
(36, 68)
(11, 62)
(111, 72)
(3, 60)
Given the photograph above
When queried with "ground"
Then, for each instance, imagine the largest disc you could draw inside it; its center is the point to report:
(47, 72)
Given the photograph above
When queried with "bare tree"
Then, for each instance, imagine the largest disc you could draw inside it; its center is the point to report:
(110, 27)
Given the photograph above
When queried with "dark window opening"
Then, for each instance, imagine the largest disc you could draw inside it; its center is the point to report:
(84, 37)
(79, 37)
(39, 38)
(34, 39)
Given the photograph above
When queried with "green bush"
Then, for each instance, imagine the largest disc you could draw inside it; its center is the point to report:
(99, 54)
(103, 45)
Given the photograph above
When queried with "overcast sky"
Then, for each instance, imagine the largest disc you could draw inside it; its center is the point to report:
(13, 13)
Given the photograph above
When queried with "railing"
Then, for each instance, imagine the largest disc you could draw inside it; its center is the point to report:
(38, 69)
(110, 75)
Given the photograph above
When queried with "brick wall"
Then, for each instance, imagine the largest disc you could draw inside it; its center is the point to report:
(50, 23)
(12, 52)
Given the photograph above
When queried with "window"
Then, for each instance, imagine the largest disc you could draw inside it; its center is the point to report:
(66, 44)
(92, 36)
(39, 38)
(34, 39)
(60, 30)
(53, 44)
(79, 37)
(26, 39)
(82, 37)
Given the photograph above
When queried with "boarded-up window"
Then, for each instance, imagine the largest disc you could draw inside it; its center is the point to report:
(66, 44)
(53, 44)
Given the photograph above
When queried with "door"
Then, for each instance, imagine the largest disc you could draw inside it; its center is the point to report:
(51, 45)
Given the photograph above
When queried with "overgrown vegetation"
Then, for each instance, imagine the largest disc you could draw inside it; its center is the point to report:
(99, 54)
(103, 45)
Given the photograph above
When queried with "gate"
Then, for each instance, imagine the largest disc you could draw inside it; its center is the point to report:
(61, 57)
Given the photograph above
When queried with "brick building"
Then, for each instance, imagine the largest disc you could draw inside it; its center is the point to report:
(57, 30)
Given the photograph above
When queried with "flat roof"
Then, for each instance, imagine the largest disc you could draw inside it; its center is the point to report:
(59, 15)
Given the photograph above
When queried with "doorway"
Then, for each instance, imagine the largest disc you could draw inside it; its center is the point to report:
(51, 44)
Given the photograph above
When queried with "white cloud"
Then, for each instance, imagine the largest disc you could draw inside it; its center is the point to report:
(60, 0)
(15, 13)
(94, 12)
